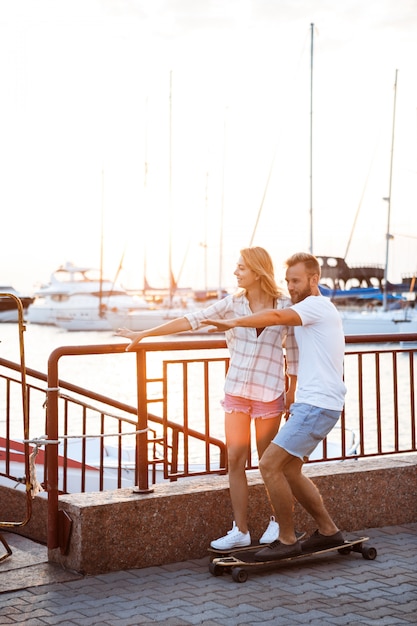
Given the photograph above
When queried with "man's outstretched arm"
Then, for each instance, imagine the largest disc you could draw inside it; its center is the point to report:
(269, 317)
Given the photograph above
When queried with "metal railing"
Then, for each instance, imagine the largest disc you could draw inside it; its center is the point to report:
(183, 438)
(381, 401)
(78, 423)
(177, 440)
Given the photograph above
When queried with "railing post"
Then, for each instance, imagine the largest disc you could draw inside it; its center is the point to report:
(52, 451)
(142, 463)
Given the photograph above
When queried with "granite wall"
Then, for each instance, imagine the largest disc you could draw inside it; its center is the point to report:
(120, 529)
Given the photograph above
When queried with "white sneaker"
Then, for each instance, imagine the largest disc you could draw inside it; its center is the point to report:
(272, 532)
(233, 539)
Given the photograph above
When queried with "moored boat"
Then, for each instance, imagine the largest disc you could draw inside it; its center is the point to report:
(379, 322)
(72, 466)
(78, 296)
(79, 461)
(366, 307)
(143, 320)
(8, 306)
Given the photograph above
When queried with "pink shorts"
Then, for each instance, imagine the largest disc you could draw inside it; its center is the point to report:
(254, 408)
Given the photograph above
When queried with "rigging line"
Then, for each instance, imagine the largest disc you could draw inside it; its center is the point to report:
(360, 201)
(263, 198)
(119, 267)
(377, 143)
(406, 236)
(388, 234)
(305, 48)
(178, 277)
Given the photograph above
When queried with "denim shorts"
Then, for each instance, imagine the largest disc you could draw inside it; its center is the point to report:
(254, 408)
(306, 426)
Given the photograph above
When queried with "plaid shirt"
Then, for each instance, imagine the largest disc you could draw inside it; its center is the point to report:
(257, 367)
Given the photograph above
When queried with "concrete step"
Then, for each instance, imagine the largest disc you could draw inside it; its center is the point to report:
(28, 565)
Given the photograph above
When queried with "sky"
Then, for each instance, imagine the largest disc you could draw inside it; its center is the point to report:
(168, 134)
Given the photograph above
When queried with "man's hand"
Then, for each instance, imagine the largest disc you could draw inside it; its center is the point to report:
(220, 325)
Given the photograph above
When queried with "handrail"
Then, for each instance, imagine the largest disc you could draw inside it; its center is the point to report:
(106, 400)
(25, 411)
(382, 338)
(142, 461)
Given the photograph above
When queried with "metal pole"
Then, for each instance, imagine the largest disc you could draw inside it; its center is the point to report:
(25, 408)
(220, 280)
(100, 301)
(51, 450)
(170, 221)
(388, 235)
(142, 425)
(311, 140)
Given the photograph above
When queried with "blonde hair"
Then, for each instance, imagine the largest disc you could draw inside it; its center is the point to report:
(310, 262)
(259, 261)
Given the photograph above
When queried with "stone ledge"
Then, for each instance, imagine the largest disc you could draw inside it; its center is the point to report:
(121, 530)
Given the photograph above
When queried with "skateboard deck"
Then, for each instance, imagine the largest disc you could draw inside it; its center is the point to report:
(255, 545)
(239, 566)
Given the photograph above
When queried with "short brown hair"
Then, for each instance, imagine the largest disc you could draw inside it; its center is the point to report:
(311, 263)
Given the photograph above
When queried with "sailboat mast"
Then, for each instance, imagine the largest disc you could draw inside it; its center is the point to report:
(100, 301)
(205, 233)
(388, 200)
(219, 288)
(311, 139)
(171, 286)
(145, 199)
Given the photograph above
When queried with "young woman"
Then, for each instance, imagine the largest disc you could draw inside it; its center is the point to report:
(320, 398)
(255, 385)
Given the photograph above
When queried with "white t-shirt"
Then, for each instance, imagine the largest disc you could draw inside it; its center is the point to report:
(321, 345)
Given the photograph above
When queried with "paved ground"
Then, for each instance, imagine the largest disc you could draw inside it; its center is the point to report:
(332, 589)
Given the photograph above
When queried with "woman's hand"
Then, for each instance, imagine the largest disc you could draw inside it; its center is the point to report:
(134, 337)
(220, 325)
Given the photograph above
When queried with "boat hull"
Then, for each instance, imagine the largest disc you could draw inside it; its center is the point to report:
(8, 307)
(73, 464)
(143, 320)
(378, 322)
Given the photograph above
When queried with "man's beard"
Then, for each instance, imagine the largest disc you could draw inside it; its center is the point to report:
(302, 295)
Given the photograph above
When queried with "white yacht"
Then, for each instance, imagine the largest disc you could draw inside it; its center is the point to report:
(77, 298)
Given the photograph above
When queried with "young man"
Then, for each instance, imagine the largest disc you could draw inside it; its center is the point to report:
(319, 402)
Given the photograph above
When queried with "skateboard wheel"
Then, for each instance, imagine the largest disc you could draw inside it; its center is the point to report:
(239, 575)
(215, 570)
(369, 553)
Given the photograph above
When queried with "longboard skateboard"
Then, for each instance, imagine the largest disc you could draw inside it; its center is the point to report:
(255, 545)
(239, 566)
